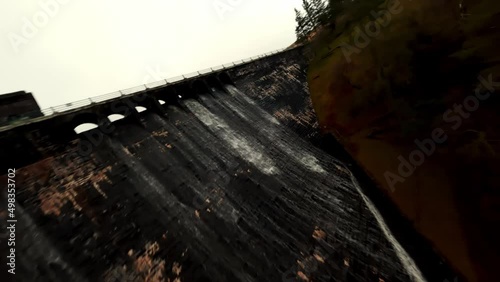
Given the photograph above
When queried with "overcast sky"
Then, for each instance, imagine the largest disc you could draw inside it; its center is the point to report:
(68, 50)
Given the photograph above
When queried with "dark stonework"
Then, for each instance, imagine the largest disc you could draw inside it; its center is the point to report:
(221, 185)
(18, 106)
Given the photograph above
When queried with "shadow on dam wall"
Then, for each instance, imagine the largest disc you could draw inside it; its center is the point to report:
(228, 180)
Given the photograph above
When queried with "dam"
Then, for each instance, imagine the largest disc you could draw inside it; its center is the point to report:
(220, 177)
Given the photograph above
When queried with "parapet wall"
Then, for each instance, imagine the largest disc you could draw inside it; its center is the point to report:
(210, 74)
(57, 125)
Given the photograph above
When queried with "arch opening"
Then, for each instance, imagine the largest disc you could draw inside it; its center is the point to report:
(115, 117)
(85, 127)
(140, 109)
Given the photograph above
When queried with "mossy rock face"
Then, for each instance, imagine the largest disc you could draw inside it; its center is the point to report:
(397, 87)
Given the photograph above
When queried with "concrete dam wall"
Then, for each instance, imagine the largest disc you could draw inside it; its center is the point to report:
(221, 182)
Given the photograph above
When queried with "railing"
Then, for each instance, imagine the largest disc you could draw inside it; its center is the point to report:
(131, 91)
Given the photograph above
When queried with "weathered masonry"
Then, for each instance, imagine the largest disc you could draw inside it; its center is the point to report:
(221, 177)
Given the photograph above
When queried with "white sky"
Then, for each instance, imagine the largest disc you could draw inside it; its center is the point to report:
(92, 47)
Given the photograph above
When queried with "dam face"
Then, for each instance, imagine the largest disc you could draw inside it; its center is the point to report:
(220, 183)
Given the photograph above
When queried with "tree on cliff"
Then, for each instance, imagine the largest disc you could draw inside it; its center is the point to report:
(301, 30)
(319, 10)
(316, 13)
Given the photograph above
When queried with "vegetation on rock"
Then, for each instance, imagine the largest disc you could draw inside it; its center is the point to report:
(386, 74)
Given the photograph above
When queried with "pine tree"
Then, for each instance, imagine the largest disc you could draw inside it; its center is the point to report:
(300, 30)
(318, 5)
(316, 14)
(319, 9)
(309, 9)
